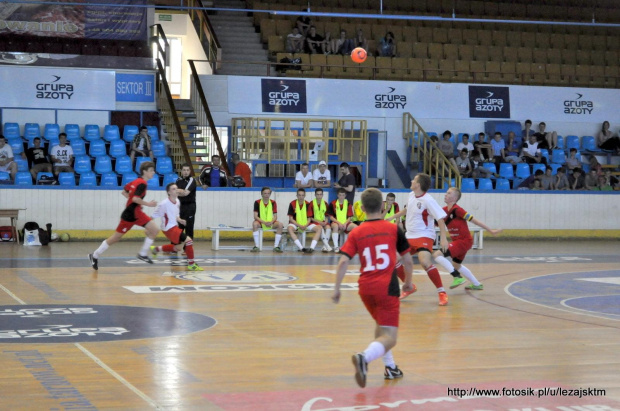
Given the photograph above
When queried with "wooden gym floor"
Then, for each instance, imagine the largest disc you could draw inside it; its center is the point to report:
(259, 332)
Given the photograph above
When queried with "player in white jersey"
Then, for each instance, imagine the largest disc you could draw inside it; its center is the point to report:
(168, 210)
(422, 211)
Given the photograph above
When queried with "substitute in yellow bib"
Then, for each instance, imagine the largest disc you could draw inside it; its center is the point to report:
(300, 219)
(340, 213)
(266, 218)
(359, 215)
(320, 217)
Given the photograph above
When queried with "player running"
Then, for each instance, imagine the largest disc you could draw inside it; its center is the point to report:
(168, 210)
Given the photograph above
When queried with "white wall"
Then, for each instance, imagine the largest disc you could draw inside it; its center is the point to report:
(100, 209)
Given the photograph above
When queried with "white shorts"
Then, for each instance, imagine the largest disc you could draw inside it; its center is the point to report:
(309, 228)
(7, 167)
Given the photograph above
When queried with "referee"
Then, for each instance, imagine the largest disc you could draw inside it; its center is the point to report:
(187, 196)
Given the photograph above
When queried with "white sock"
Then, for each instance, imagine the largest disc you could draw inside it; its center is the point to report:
(298, 244)
(104, 246)
(256, 235)
(148, 242)
(374, 351)
(313, 244)
(278, 238)
(444, 263)
(326, 234)
(335, 239)
(441, 290)
(468, 274)
(388, 359)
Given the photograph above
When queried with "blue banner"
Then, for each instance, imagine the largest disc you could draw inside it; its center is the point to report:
(137, 88)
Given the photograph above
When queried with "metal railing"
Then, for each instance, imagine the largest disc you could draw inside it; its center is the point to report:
(206, 33)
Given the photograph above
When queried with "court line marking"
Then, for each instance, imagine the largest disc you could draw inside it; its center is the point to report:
(97, 360)
(565, 304)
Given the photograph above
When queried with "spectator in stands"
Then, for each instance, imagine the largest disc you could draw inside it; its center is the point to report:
(478, 171)
(321, 176)
(342, 45)
(463, 163)
(548, 180)
(328, 42)
(141, 145)
(606, 140)
(576, 180)
(611, 180)
(591, 181)
(303, 23)
(7, 163)
(387, 46)
(38, 158)
(303, 178)
(527, 131)
(602, 185)
(536, 184)
(513, 148)
(561, 181)
(346, 182)
(213, 175)
(572, 162)
(62, 156)
(548, 140)
(596, 166)
(499, 146)
(465, 144)
(531, 153)
(360, 40)
(528, 183)
(485, 149)
(242, 170)
(315, 43)
(447, 147)
(294, 41)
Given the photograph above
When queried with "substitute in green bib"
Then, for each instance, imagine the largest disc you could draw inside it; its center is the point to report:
(320, 217)
(266, 218)
(340, 213)
(300, 220)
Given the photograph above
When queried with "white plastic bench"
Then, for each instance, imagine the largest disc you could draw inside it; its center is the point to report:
(215, 239)
(477, 235)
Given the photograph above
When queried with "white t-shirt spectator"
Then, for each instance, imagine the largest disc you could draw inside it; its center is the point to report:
(531, 149)
(64, 154)
(6, 152)
(303, 179)
(322, 177)
(468, 146)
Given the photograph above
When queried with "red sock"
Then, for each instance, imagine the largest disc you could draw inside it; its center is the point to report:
(168, 248)
(189, 250)
(400, 271)
(433, 274)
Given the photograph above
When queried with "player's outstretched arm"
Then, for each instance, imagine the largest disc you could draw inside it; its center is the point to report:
(486, 227)
(343, 264)
(443, 232)
(398, 215)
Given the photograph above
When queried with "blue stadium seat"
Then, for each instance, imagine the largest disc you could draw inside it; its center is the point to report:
(51, 131)
(468, 184)
(572, 142)
(506, 171)
(22, 164)
(118, 148)
(52, 143)
(72, 131)
(585, 167)
(109, 180)
(538, 167)
(97, 148)
(485, 184)
(523, 170)
(164, 166)
(170, 178)
(555, 168)
(92, 132)
(78, 146)
(66, 179)
(159, 148)
(153, 132)
(129, 132)
(82, 164)
(128, 178)
(43, 173)
(491, 167)
(103, 164)
(5, 177)
(140, 160)
(123, 165)
(23, 178)
(32, 130)
(545, 153)
(561, 142)
(88, 180)
(502, 185)
(153, 182)
(111, 133)
(11, 131)
(589, 144)
(17, 146)
(558, 156)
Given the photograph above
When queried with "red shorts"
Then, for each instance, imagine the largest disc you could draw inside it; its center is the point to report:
(418, 243)
(174, 235)
(141, 220)
(458, 250)
(384, 309)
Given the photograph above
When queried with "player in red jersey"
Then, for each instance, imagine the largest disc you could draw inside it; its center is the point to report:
(134, 192)
(456, 221)
(379, 245)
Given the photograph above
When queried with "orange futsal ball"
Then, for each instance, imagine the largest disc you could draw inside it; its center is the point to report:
(359, 55)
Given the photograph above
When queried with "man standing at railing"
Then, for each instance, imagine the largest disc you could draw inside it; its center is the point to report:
(214, 175)
(347, 181)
